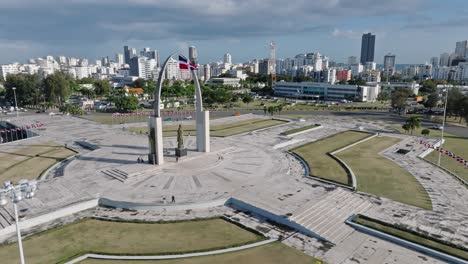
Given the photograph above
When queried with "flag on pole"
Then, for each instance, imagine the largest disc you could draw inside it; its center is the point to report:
(184, 64)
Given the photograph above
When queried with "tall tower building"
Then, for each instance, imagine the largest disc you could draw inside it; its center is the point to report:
(367, 48)
(389, 62)
(461, 49)
(193, 55)
(435, 62)
(444, 59)
(119, 58)
(227, 58)
(127, 54)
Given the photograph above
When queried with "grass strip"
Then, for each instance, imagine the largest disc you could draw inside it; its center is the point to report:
(296, 130)
(412, 236)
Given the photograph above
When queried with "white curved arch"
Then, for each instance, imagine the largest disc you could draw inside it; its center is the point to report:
(157, 95)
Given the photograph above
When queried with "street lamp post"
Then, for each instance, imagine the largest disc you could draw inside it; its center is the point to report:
(15, 193)
(16, 103)
(443, 123)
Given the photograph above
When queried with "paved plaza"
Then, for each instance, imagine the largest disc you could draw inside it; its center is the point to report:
(253, 167)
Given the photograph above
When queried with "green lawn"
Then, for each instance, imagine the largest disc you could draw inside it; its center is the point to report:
(382, 177)
(418, 239)
(274, 253)
(29, 162)
(457, 145)
(322, 165)
(296, 130)
(223, 130)
(84, 236)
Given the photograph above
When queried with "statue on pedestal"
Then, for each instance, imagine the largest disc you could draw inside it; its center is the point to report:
(180, 150)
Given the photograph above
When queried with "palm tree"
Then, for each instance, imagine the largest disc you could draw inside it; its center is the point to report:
(405, 127)
(413, 122)
(279, 108)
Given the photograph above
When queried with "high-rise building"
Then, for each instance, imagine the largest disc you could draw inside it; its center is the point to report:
(352, 60)
(367, 48)
(461, 49)
(444, 59)
(133, 53)
(172, 69)
(389, 64)
(343, 75)
(138, 66)
(127, 54)
(105, 61)
(119, 59)
(435, 62)
(193, 55)
(227, 58)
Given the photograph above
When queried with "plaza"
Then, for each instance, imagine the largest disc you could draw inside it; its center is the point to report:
(249, 177)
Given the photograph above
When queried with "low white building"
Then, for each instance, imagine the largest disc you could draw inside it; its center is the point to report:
(233, 82)
(8, 69)
(327, 91)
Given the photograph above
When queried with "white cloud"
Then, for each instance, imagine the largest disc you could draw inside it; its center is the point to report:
(337, 33)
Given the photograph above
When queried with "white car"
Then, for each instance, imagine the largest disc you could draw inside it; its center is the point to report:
(188, 118)
(437, 127)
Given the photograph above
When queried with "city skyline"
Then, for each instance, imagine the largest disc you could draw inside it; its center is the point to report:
(86, 29)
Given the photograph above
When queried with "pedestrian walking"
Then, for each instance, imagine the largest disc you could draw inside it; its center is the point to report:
(173, 199)
(177, 159)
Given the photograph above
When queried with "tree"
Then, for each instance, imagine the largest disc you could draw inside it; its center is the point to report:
(271, 110)
(28, 90)
(413, 122)
(399, 98)
(71, 109)
(247, 99)
(126, 103)
(87, 92)
(279, 108)
(57, 88)
(383, 96)
(432, 100)
(102, 87)
(425, 132)
(358, 81)
(405, 127)
(428, 87)
(139, 83)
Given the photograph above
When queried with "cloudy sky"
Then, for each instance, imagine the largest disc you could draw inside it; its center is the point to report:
(414, 30)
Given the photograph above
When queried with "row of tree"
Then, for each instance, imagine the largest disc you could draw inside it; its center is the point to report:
(54, 90)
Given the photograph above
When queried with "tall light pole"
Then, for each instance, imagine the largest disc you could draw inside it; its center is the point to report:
(16, 103)
(15, 193)
(443, 123)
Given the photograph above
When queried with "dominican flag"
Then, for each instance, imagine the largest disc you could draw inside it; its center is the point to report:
(184, 64)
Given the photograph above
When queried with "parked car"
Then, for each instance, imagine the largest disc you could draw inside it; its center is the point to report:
(437, 127)
(188, 118)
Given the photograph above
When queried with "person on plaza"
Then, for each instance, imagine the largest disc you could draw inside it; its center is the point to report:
(173, 199)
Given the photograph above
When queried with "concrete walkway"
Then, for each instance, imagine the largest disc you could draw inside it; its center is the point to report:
(161, 257)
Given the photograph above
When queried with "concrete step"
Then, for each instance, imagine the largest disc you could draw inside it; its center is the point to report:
(327, 216)
(307, 210)
(114, 175)
(332, 206)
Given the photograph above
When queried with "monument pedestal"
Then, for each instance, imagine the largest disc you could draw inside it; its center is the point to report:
(203, 131)
(180, 152)
(155, 156)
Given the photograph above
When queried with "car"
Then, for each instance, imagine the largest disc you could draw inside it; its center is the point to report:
(437, 127)
(168, 119)
(188, 118)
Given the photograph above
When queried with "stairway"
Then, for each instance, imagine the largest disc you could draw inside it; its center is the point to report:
(327, 217)
(6, 219)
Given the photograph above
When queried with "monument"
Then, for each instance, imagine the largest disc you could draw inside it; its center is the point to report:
(180, 151)
(155, 136)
